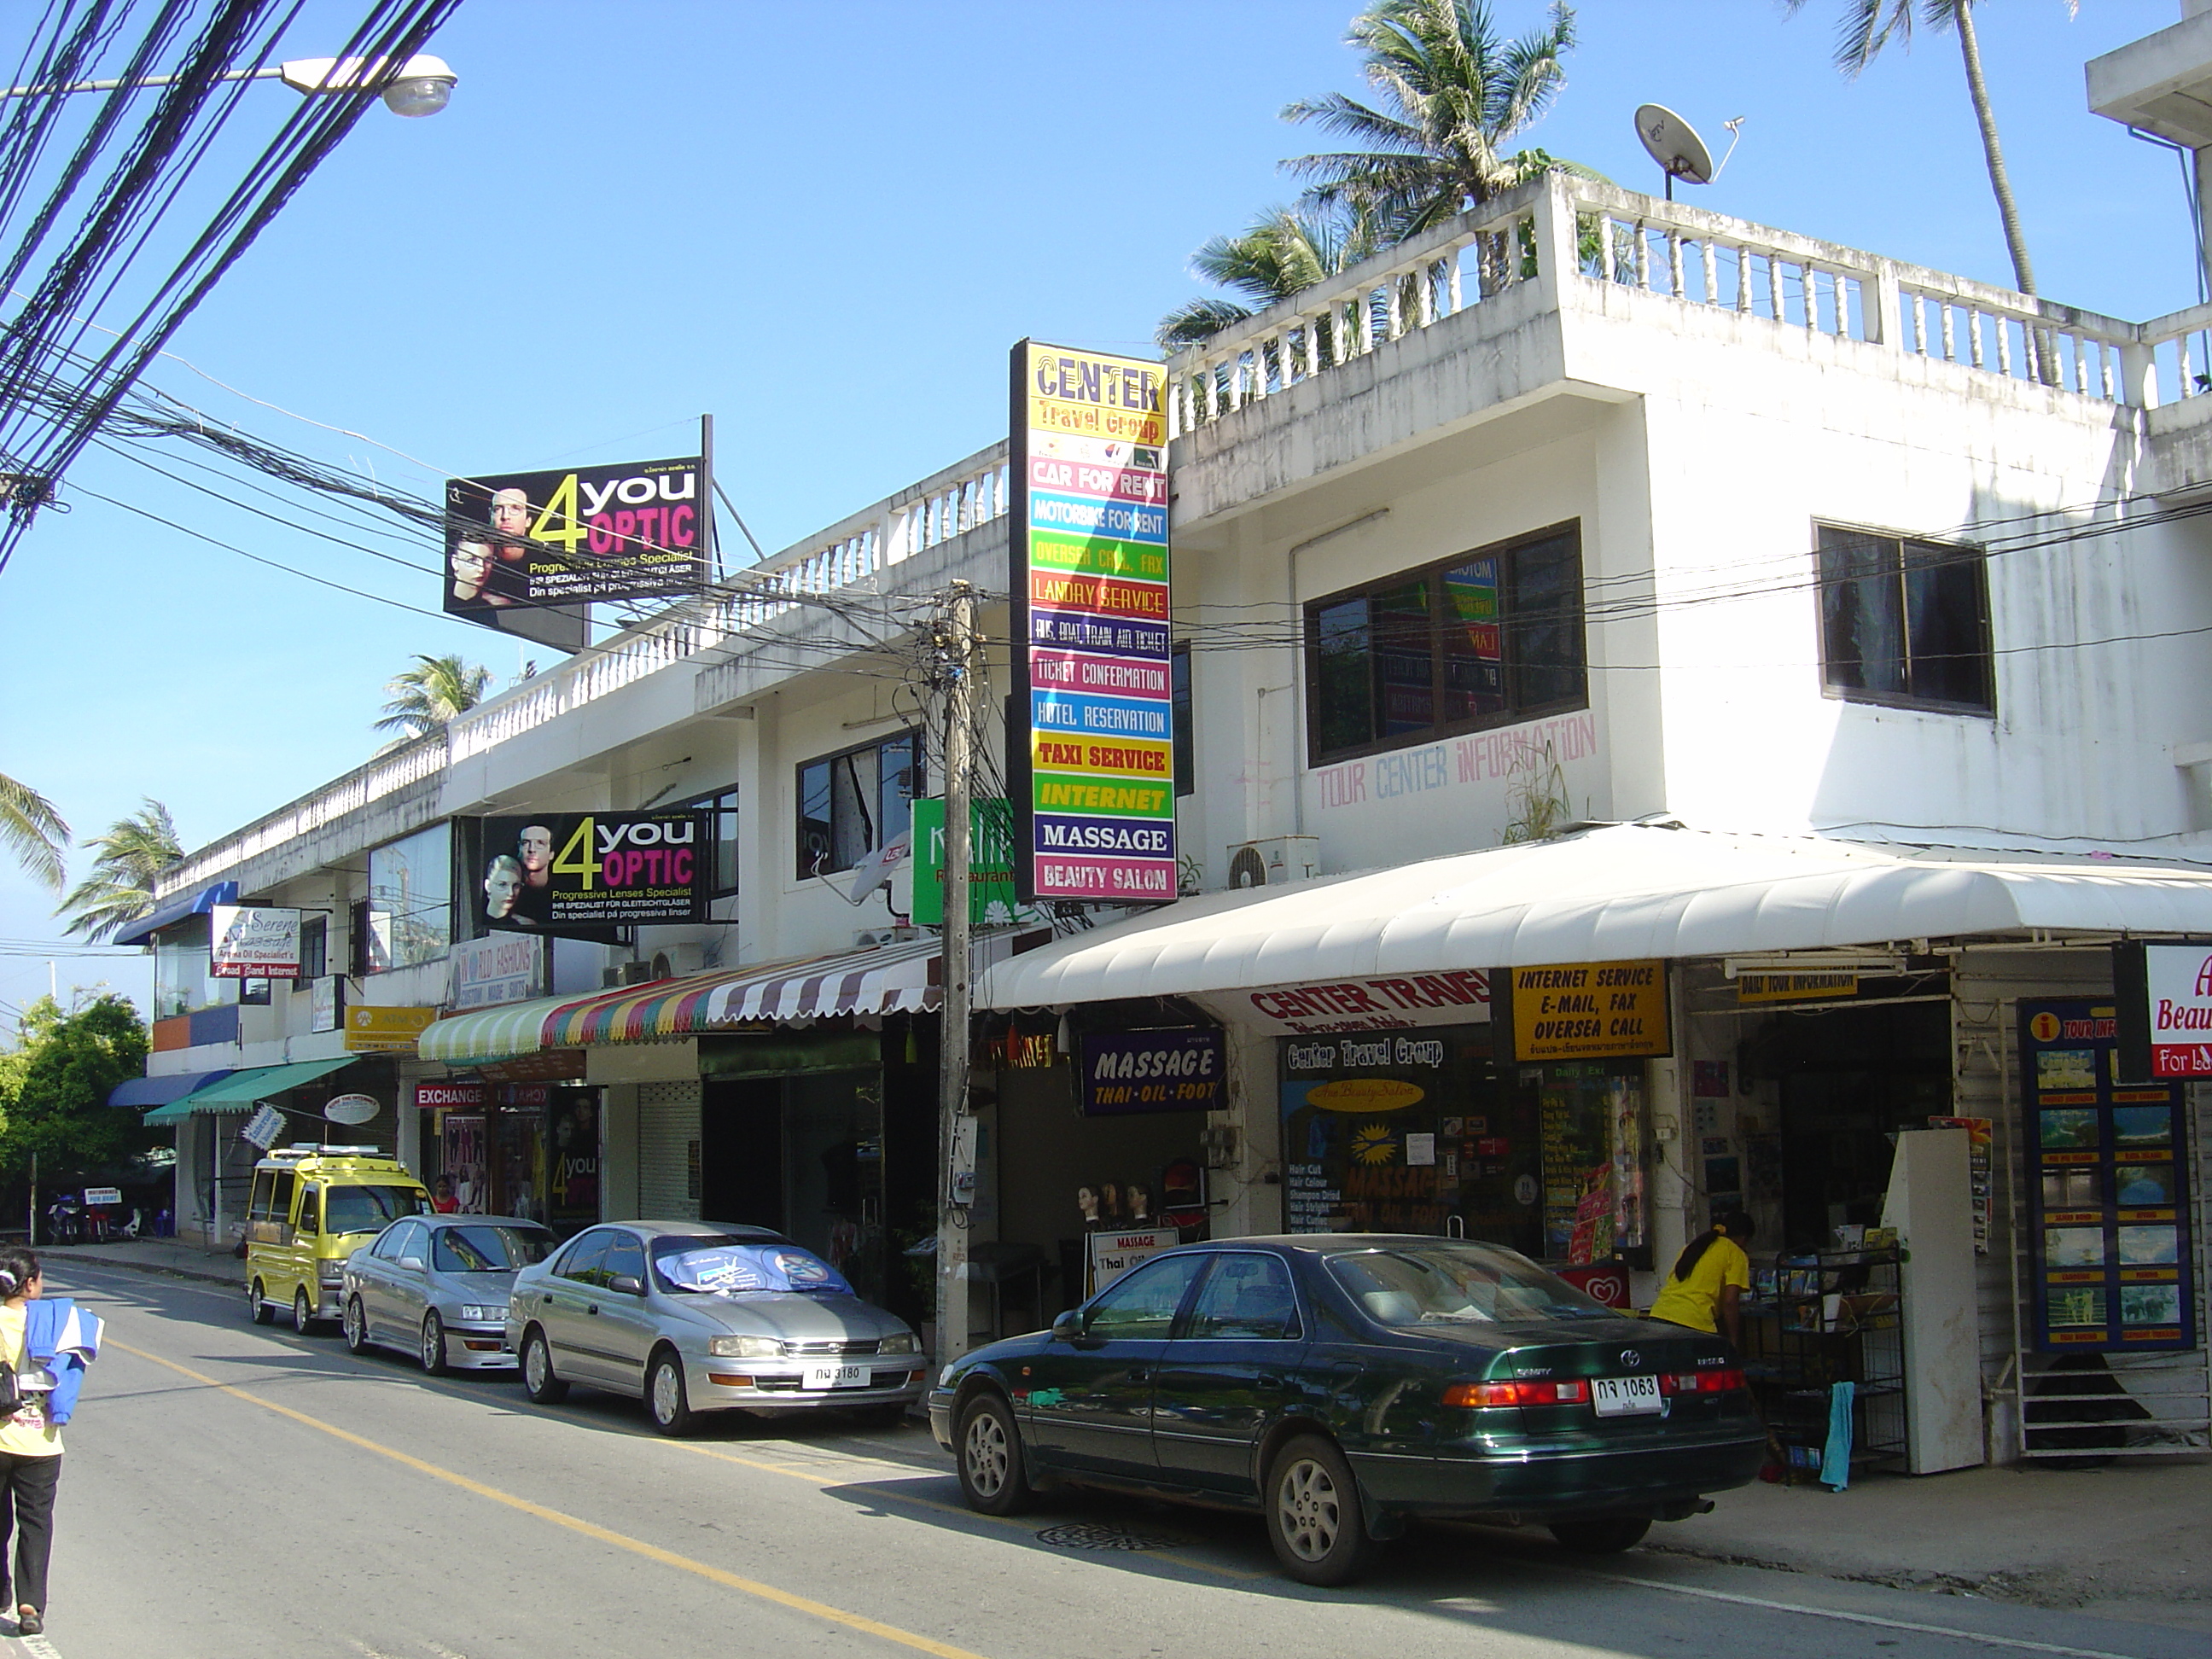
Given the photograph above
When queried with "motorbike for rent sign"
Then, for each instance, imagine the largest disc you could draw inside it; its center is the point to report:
(253, 941)
(1092, 733)
(562, 871)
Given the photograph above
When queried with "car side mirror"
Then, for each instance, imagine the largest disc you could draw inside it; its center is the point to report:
(624, 1285)
(414, 1261)
(1068, 1327)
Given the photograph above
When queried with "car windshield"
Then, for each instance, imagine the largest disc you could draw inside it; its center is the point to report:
(477, 1249)
(369, 1209)
(1446, 1284)
(732, 1266)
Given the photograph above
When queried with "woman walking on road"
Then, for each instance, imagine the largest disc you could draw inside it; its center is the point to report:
(48, 1344)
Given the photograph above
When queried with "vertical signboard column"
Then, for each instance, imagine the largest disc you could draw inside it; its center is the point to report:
(2108, 1189)
(1091, 729)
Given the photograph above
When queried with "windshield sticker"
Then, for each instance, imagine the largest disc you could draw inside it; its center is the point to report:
(733, 1268)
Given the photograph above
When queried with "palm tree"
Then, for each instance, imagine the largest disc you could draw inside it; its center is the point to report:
(1868, 26)
(1282, 252)
(128, 859)
(426, 696)
(1454, 94)
(34, 832)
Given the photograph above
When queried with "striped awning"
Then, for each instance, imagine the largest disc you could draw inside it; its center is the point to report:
(891, 978)
(639, 1013)
(490, 1033)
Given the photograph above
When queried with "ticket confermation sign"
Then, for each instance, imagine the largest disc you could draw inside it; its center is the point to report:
(1093, 713)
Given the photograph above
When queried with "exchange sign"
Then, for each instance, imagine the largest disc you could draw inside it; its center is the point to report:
(1092, 731)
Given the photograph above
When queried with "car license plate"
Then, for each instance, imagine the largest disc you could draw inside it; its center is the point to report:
(1625, 1396)
(852, 1376)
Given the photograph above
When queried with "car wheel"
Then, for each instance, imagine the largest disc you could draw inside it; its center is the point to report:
(538, 1379)
(257, 1304)
(431, 1350)
(1314, 1519)
(992, 1478)
(355, 1323)
(303, 1312)
(1604, 1535)
(666, 1396)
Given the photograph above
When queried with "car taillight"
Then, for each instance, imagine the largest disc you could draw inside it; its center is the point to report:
(1716, 1382)
(1576, 1392)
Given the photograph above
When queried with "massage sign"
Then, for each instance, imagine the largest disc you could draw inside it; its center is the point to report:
(1093, 728)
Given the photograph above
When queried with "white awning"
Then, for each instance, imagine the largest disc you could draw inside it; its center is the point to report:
(1620, 893)
(891, 978)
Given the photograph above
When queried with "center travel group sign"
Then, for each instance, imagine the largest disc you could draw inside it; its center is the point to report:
(1093, 709)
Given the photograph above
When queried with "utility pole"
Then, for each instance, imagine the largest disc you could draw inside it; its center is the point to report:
(957, 662)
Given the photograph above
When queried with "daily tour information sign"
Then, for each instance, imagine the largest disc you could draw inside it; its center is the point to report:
(1094, 817)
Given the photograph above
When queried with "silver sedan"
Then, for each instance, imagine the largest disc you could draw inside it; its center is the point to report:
(695, 1316)
(436, 1286)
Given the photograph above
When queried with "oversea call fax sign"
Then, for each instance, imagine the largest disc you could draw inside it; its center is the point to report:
(1093, 732)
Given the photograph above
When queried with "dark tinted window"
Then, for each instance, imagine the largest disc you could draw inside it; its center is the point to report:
(1904, 622)
(477, 1249)
(369, 1209)
(583, 1259)
(853, 802)
(1451, 1284)
(311, 1210)
(625, 1259)
(1185, 746)
(1482, 639)
(1247, 1297)
(1142, 1302)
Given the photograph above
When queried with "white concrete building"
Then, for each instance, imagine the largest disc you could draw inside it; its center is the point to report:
(1586, 509)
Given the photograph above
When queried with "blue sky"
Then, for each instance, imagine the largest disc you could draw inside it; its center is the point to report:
(826, 224)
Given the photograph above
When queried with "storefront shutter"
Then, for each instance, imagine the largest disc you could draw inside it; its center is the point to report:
(668, 1151)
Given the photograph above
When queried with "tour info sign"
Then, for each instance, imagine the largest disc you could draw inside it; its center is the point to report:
(1090, 731)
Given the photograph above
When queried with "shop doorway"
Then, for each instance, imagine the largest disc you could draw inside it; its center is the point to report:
(741, 1152)
(1850, 1078)
(804, 1155)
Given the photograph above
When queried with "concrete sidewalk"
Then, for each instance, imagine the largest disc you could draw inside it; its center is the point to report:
(177, 1257)
(2130, 1541)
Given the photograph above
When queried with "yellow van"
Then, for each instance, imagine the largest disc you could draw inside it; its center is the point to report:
(312, 1207)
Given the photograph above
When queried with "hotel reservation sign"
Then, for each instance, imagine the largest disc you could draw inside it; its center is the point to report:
(1092, 721)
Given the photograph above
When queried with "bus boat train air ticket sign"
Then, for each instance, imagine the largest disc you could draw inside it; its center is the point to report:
(1092, 729)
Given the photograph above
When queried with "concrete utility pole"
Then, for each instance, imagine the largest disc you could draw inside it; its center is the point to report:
(956, 660)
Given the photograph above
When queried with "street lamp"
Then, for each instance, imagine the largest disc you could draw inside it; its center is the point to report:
(419, 86)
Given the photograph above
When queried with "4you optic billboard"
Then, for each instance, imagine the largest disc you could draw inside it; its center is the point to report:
(634, 531)
(563, 871)
(1092, 732)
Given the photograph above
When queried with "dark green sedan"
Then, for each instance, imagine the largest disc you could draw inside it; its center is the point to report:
(1342, 1384)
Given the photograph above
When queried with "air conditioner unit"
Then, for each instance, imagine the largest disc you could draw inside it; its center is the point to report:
(869, 938)
(1272, 862)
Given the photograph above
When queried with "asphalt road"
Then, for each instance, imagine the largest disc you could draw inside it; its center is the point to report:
(237, 1491)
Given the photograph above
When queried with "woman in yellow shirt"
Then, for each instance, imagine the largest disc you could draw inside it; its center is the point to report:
(1710, 1279)
(48, 1344)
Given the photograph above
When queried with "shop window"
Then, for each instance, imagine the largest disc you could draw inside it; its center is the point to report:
(182, 983)
(357, 951)
(410, 894)
(254, 993)
(1248, 1298)
(1904, 622)
(314, 948)
(721, 810)
(852, 803)
(1483, 638)
(1185, 746)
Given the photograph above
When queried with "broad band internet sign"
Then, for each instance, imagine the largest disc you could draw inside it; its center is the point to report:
(1092, 725)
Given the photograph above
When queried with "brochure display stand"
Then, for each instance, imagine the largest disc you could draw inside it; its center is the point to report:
(1811, 1323)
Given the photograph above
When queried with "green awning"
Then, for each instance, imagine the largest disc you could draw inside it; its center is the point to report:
(238, 1091)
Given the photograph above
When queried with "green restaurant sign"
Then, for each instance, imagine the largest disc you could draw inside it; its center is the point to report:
(991, 862)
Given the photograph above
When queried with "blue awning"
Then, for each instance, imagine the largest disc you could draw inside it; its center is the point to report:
(143, 1091)
(141, 931)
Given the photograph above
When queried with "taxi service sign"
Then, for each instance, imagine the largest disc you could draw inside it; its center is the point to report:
(1093, 730)
(1587, 1010)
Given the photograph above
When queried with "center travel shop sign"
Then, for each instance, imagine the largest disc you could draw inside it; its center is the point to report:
(1092, 734)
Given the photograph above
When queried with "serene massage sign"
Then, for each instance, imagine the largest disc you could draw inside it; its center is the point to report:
(1093, 716)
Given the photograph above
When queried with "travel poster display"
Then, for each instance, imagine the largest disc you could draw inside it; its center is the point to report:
(2107, 1189)
(1091, 728)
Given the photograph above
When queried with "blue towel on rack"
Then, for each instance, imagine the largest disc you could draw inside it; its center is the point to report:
(1836, 1460)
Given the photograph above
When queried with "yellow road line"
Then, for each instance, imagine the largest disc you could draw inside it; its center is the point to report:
(879, 1488)
(575, 1524)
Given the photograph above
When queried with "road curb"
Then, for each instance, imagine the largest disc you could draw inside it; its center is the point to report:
(156, 1269)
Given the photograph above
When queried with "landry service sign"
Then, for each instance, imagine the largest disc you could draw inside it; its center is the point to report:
(1093, 726)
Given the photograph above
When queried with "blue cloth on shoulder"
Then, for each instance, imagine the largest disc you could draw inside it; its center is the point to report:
(63, 1339)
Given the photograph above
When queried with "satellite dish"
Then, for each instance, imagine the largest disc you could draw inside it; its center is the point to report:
(351, 1108)
(1674, 145)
